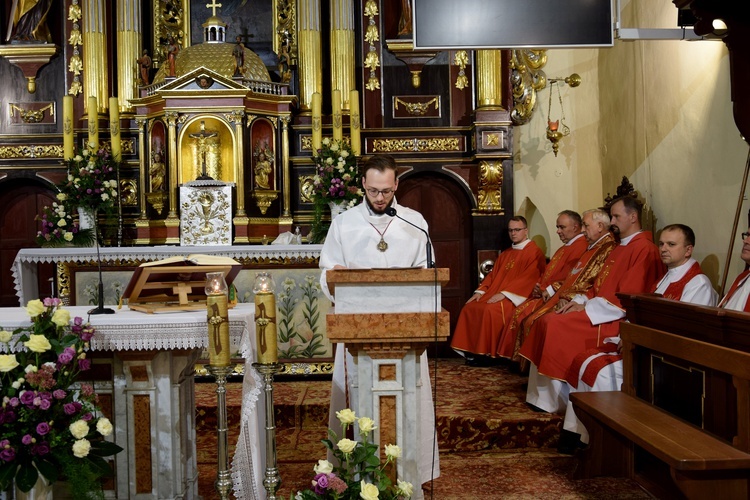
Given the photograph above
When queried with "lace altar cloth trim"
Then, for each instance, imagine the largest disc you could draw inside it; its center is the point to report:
(26, 257)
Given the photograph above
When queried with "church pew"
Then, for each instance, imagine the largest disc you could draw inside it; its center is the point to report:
(623, 426)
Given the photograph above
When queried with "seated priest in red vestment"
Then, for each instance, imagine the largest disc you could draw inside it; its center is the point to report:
(600, 369)
(738, 297)
(584, 322)
(491, 307)
(568, 227)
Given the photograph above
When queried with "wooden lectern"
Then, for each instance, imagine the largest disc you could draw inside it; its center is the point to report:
(386, 318)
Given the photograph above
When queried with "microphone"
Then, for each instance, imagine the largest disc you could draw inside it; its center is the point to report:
(392, 212)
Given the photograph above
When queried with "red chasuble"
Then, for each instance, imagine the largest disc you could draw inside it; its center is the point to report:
(556, 339)
(673, 291)
(558, 268)
(737, 282)
(479, 324)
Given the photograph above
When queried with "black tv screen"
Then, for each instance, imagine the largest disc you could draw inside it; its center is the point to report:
(508, 24)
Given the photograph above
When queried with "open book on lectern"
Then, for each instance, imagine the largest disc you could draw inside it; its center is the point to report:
(176, 283)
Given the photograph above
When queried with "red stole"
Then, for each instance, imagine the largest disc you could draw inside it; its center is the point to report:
(737, 282)
(675, 289)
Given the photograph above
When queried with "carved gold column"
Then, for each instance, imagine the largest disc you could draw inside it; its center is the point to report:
(237, 118)
(95, 80)
(489, 79)
(286, 174)
(490, 187)
(310, 58)
(172, 117)
(144, 164)
(342, 49)
(128, 50)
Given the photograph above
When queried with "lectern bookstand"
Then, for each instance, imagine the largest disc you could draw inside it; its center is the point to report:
(386, 318)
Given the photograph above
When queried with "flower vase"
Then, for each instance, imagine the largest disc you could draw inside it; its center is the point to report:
(337, 207)
(86, 218)
(41, 490)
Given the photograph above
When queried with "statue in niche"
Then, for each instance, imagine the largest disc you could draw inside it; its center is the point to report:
(28, 22)
(157, 172)
(206, 154)
(263, 166)
(239, 56)
(285, 73)
(172, 50)
(144, 65)
(404, 23)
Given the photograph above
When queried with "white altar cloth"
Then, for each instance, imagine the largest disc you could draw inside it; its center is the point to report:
(25, 274)
(128, 330)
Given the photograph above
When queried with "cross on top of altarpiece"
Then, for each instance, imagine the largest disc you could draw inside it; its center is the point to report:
(213, 5)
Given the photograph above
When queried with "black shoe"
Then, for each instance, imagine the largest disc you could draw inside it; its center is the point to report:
(536, 408)
(481, 361)
(569, 442)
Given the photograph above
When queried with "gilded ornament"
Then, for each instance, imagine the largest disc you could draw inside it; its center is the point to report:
(306, 141)
(527, 78)
(75, 38)
(416, 145)
(31, 115)
(372, 60)
(372, 83)
(461, 59)
(372, 35)
(75, 88)
(306, 188)
(76, 65)
(490, 187)
(416, 108)
(74, 13)
(492, 139)
(129, 192)
(371, 8)
(30, 151)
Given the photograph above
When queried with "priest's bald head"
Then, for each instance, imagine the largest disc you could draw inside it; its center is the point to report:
(380, 181)
(626, 216)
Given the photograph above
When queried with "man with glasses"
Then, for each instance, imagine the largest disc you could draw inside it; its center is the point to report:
(487, 312)
(366, 237)
(738, 297)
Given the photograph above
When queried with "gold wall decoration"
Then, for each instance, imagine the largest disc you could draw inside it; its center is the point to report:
(527, 78)
(129, 192)
(372, 59)
(306, 188)
(416, 106)
(461, 59)
(75, 66)
(490, 187)
(31, 151)
(285, 13)
(171, 20)
(494, 139)
(306, 141)
(433, 144)
(127, 146)
(31, 113)
(264, 198)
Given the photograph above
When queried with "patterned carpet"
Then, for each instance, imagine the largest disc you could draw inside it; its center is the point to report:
(482, 422)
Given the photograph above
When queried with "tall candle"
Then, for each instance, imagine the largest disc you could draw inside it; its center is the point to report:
(317, 127)
(337, 125)
(114, 127)
(265, 327)
(93, 123)
(354, 121)
(218, 329)
(68, 149)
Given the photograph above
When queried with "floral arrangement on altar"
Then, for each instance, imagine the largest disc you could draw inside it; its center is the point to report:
(49, 428)
(337, 180)
(91, 186)
(359, 474)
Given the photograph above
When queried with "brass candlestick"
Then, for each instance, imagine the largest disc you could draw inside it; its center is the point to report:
(272, 480)
(223, 483)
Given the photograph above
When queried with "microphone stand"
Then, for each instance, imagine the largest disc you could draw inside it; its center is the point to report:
(99, 309)
(392, 212)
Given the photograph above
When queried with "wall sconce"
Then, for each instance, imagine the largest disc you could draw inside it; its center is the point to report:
(557, 129)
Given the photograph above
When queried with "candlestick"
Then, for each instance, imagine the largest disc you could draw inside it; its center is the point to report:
(337, 125)
(93, 123)
(218, 319)
(68, 149)
(317, 126)
(265, 318)
(354, 122)
(114, 127)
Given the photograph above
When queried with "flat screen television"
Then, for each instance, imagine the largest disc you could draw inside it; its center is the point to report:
(510, 24)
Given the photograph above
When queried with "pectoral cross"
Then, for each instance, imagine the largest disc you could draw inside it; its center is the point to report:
(213, 5)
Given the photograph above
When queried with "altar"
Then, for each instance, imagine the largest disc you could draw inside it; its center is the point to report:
(143, 373)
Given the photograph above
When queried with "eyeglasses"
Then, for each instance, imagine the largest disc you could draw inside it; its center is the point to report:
(745, 235)
(515, 229)
(375, 192)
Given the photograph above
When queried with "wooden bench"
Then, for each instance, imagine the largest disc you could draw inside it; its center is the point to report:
(619, 424)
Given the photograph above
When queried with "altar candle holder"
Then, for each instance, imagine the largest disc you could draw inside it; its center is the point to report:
(267, 365)
(219, 367)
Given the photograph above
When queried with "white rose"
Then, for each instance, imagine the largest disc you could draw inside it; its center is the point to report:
(31, 369)
(79, 429)
(16, 384)
(366, 425)
(346, 416)
(326, 141)
(8, 362)
(61, 317)
(38, 343)
(68, 236)
(323, 467)
(368, 491)
(62, 196)
(334, 147)
(392, 451)
(81, 448)
(5, 336)
(346, 445)
(105, 196)
(62, 223)
(344, 154)
(405, 488)
(35, 307)
(104, 426)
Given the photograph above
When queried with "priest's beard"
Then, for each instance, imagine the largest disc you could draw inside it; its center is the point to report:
(376, 211)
